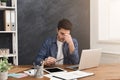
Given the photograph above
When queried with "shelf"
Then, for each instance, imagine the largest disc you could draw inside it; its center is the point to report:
(9, 37)
(7, 31)
(6, 8)
(9, 55)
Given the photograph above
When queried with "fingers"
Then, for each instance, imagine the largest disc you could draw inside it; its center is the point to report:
(68, 38)
(50, 61)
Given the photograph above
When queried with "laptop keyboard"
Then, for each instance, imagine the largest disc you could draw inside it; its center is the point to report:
(74, 67)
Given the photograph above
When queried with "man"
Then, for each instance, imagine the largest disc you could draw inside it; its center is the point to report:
(62, 49)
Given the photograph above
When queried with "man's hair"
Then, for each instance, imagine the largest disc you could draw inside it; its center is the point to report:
(65, 24)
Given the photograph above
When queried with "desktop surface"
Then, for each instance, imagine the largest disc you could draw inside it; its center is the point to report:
(102, 72)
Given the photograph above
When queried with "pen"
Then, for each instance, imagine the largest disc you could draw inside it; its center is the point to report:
(58, 77)
(60, 59)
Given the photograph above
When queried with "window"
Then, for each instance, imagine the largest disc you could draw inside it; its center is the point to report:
(109, 20)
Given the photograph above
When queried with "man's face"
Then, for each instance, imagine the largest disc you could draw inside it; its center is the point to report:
(62, 33)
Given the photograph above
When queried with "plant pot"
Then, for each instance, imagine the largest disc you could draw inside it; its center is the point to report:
(3, 3)
(3, 75)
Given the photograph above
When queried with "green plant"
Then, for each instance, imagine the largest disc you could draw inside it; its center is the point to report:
(3, 0)
(4, 65)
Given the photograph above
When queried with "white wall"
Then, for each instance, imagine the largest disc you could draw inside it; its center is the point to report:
(111, 49)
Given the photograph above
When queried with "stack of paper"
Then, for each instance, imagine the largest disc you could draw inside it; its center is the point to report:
(71, 75)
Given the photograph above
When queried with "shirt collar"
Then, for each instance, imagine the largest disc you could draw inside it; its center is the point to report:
(55, 40)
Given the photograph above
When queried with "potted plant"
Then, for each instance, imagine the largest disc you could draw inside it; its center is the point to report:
(3, 2)
(4, 67)
(0, 2)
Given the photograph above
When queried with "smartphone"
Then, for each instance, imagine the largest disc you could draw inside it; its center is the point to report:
(53, 69)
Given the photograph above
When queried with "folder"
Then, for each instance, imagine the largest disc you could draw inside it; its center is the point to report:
(13, 3)
(12, 19)
(7, 20)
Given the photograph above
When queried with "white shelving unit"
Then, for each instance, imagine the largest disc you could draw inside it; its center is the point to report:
(14, 37)
(6, 8)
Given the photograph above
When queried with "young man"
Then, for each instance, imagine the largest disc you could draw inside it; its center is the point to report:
(62, 49)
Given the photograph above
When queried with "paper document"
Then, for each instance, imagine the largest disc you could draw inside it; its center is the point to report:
(30, 72)
(71, 75)
(17, 75)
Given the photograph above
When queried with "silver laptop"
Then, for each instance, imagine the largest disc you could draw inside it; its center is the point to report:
(89, 58)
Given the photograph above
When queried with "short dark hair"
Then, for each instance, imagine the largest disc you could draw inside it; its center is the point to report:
(65, 24)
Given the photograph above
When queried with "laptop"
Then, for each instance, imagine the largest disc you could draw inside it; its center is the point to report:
(89, 58)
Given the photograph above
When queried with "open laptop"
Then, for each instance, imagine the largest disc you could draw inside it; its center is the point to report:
(89, 58)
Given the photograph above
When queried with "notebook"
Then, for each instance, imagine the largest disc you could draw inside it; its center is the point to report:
(89, 58)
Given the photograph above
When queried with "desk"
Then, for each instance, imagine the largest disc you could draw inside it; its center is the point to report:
(103, 72)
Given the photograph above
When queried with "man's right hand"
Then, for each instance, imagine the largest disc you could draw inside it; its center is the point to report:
(49, 61)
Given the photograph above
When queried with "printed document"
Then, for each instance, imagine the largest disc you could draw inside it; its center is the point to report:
(71, 75)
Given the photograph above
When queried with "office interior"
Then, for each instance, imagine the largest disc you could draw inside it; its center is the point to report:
(37, 20)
